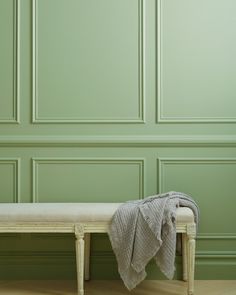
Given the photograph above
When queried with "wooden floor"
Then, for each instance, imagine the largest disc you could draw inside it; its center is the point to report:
(115, 288)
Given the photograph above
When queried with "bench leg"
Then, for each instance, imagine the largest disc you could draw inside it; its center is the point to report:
(79, 246)
(87, 257)
(191, 233)
(184, 257)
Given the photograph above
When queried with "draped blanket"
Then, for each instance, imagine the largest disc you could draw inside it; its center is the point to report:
(144, 229)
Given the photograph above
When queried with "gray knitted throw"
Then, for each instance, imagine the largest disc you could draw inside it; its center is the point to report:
(144, 229)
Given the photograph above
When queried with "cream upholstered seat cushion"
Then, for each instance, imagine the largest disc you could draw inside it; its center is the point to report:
(69, 212)
(184, 215)
(57, 212)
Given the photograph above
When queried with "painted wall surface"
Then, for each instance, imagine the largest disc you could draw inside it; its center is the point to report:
(115, 100)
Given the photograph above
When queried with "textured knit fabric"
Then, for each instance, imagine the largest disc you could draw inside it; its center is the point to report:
(144, 229)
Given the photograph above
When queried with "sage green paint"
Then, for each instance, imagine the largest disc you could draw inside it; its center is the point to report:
(99, 89)
(8, 175)
(74, 180)
(197, 64)
(107, 63)
(7, 61)
(215, 178)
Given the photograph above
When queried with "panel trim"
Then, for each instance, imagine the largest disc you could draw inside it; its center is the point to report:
(216, 236)
(216, 254)
(65, 261)
(160, 117)
(176, 161)
(16, 65)
(100, 255)
(16, 181)
(118, 141)
(37, 161)
(141, 65)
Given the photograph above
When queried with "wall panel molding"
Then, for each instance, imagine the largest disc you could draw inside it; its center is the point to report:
(118, 141)
(216, 254)
(16, 65)
(141, 76)
(161, 162)
(216, 245)
(120, 161)
(15, 162)
(216, 236)
(160, 116)
(63, 265)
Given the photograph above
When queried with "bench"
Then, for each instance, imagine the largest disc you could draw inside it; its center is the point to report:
(82, 219)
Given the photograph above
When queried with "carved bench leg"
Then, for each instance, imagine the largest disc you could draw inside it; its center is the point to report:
(184, 257)
(87, 257)
(79, 246)
(191, 234)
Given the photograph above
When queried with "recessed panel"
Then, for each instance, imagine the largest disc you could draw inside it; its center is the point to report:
(8, 181)
(196, 64)
(211, 183)
(8, 61)
(87, 60)
(216, 243)
(87, 180)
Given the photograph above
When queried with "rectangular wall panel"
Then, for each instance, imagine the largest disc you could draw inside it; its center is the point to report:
(196, 66)
(211, 182)
(92, 180)
(88, 61)
(9, 180)
(209, 244)
(8, 61)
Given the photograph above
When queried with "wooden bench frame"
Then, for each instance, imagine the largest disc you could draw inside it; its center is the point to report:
(82, 233)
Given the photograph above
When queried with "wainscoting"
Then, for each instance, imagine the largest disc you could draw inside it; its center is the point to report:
(115, 100)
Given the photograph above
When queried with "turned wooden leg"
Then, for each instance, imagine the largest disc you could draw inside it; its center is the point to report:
(191, 234)
(87, 257)
(184, 257)
(79, 246)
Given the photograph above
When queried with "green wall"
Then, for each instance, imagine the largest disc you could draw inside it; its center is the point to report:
(113, 100)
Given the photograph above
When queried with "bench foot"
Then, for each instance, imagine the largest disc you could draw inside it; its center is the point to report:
(191, 234)
(79, 246)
